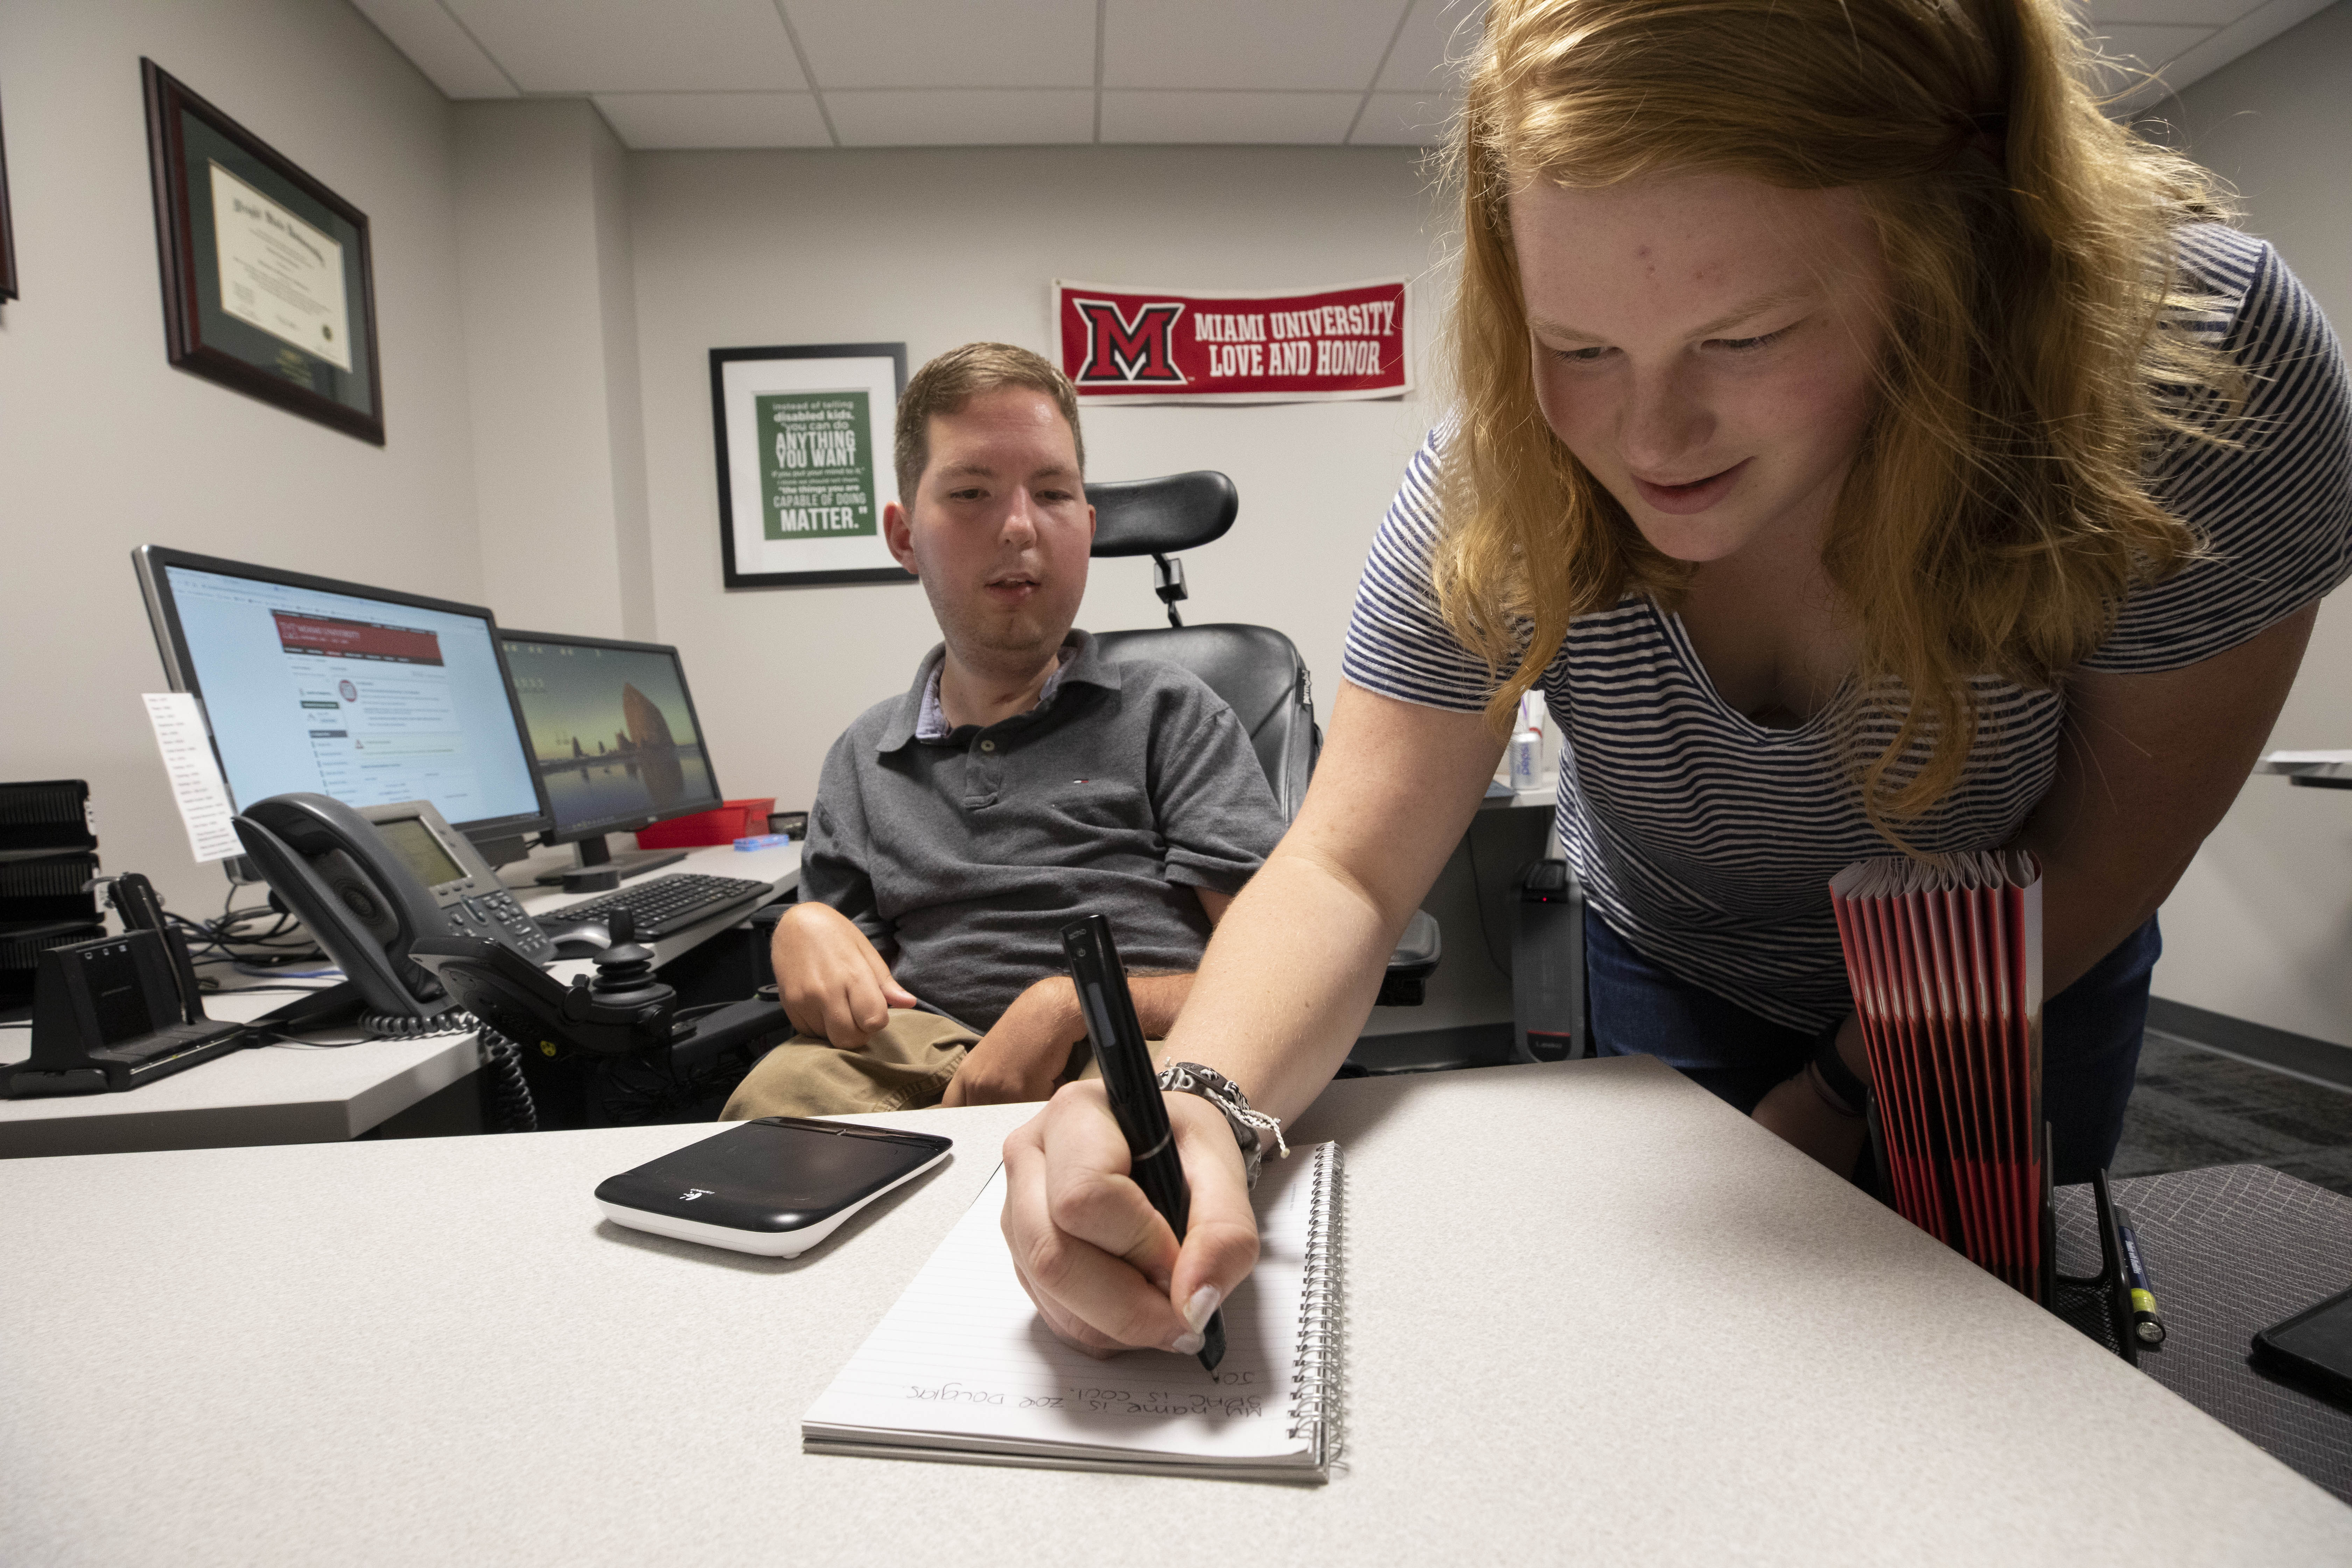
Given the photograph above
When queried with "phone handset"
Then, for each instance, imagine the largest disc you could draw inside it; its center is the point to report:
(331, 867)
(133, 898)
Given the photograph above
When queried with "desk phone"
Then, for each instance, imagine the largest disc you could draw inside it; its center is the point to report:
(460, 882)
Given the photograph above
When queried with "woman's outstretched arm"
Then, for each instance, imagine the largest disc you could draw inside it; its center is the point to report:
(1281, 994)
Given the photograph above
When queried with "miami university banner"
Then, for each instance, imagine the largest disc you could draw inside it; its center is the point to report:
(1136, 345)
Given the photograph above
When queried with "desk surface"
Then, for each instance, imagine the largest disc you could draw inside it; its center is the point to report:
(291, 1095)
(1591, 1312)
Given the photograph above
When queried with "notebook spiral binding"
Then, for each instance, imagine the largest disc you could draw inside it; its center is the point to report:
(1315, 1382)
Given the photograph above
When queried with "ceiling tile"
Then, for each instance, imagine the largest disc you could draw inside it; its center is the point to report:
(1287, 118)
(1295, 44)
(962, 117)
(2130, 51)
(947, 43)
(629, 45)
(2250, 32)
(2171, 13)
(650, 122)
(1403, 120)
(437, 46)
(1436, 32)
(2144, 44)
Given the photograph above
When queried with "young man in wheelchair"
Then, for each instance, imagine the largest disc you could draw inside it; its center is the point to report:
(1021, 781)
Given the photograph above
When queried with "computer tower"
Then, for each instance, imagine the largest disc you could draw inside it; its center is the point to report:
(48, 855)
(1547, 1022)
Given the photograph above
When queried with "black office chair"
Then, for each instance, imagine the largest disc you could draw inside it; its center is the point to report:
(1255, 669)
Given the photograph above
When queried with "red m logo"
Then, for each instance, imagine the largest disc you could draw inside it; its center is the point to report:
(1121, 351)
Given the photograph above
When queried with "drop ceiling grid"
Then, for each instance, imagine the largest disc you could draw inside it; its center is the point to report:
(750, 73)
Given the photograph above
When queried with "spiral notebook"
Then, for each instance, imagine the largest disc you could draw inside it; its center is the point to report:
(963, 1369)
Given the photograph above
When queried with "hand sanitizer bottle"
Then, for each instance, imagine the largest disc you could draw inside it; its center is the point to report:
(1527, 743)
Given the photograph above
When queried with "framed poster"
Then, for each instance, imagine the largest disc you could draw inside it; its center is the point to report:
(268, 286)
(804, 438)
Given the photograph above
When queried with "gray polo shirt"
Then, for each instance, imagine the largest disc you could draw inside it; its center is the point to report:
(962, 857)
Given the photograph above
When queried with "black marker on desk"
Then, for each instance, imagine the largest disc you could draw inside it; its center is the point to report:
(1134, 1088)
(2145, 1323)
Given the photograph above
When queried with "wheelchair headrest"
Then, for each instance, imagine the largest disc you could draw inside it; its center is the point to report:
(1159, 517)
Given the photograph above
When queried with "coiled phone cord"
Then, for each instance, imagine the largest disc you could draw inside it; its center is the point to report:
(501, 1060)
(509, 1095)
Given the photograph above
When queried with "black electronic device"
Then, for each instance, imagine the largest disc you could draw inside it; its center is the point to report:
(369, 695)
(134, 899)
(616, 743)
(114, 1013)
(624, 1011)
(360, 898)
(662, 906)
(594, 1025)
(48, 859)
(1133, 1088)
(2313, 1347)
(1548, 1012)
(458, 880)
(776, 1187)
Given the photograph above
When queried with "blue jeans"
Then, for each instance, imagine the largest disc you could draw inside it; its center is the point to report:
(2090, 1038)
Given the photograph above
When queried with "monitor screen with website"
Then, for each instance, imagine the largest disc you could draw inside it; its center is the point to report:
(366, 694)
(613, 732)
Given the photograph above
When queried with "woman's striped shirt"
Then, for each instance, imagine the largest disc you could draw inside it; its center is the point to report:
(1707, 841)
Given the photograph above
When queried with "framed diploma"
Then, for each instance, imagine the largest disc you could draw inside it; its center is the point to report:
(7, 232)
(267, 282)
(804, 438)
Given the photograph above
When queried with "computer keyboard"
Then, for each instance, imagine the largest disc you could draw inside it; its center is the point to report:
(663, 904)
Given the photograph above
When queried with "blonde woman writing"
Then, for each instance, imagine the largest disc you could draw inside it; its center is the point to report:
(1863, 444)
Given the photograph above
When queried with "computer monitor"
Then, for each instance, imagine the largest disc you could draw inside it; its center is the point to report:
(369, 695)
(614, 737)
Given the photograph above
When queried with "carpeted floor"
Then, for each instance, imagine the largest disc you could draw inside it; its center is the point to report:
(2193, 1108)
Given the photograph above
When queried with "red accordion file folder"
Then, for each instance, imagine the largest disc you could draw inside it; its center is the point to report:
(1946, 965)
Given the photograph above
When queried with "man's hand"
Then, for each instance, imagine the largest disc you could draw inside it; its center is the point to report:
(1797, 1112)
(1022, 1057)
(833, 984)
(1102, 1265)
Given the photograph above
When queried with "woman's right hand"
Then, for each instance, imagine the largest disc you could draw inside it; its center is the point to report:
(1281, 994)
(1104, 1268)
(833, 985)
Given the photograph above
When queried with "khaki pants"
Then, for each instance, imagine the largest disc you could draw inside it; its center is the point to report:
(908, 1065)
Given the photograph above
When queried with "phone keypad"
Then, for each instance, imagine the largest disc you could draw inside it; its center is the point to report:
(498, 917)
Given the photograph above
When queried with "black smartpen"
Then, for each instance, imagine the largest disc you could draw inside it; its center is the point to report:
(1134, 1088)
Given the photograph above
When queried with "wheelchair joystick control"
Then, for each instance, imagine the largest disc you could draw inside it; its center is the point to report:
(624, 971)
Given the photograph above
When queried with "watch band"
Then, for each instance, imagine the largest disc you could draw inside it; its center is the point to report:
(1192, 1077)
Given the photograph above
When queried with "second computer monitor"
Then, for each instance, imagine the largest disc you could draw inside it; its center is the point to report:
(613, 733)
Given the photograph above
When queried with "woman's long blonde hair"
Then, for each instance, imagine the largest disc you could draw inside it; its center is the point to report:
(1997, 511)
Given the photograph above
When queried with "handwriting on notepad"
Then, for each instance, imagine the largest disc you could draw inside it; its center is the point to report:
(1104, 1401)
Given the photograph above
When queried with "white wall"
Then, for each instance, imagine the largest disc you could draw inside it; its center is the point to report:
(103, 447)
(2261, 926)
(940, 247)
(551, 347)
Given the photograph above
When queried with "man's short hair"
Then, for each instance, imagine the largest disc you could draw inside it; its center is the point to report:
(953, 380)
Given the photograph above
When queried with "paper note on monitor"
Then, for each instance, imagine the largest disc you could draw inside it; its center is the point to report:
(195, 773)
